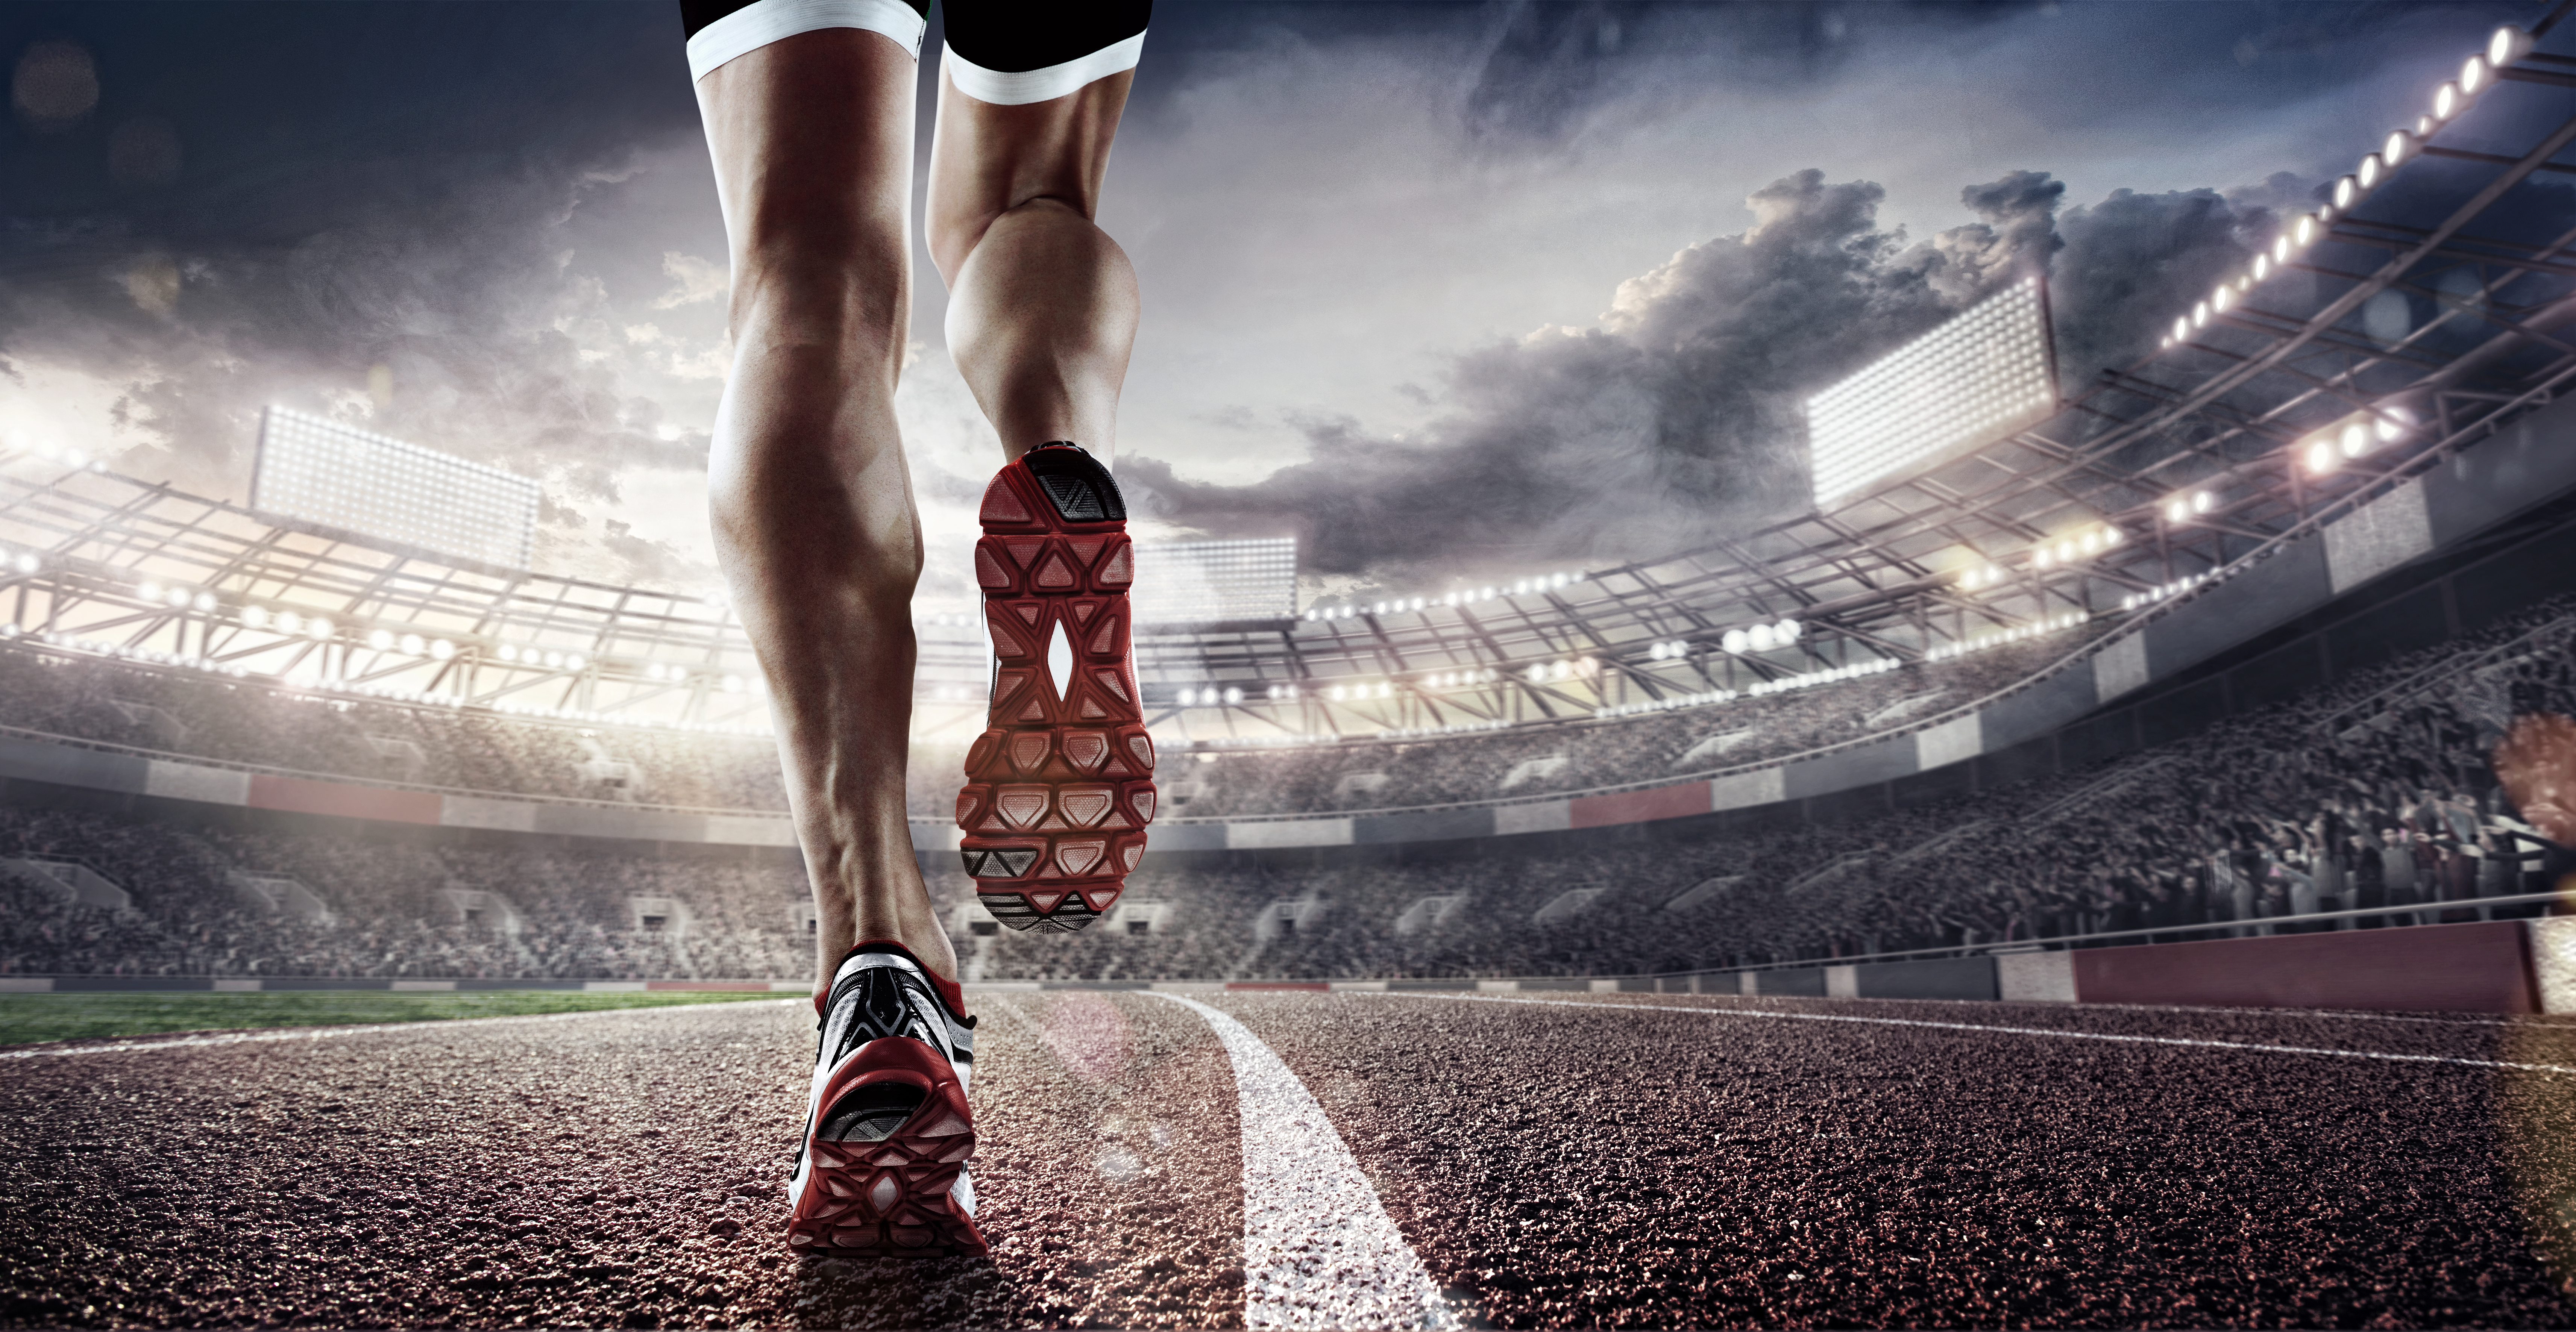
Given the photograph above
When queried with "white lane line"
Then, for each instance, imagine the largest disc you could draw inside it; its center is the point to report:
(360, 1029)
(1319, 1250)
(2005, 1031)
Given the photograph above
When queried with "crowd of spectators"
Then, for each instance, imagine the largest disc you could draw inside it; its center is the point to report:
(243, 721)
(2375, 794)
(390, 907)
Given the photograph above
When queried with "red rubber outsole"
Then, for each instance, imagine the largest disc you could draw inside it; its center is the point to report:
(1059, 787)
(890, 1199)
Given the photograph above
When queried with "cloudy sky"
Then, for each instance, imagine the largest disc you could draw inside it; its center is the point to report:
(1448, 291)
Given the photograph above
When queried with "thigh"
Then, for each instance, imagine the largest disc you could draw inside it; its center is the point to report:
(811, 137)
(1029, 101)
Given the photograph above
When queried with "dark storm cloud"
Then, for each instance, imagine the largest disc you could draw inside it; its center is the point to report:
(342, 188)
(1678, 417)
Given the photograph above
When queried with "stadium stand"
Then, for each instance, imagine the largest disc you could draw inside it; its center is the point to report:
(123, 703)
(2373, 792)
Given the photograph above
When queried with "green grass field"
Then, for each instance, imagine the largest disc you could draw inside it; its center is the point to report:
(78, 1016)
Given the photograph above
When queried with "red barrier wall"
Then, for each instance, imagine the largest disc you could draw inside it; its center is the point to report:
(2476, 968)
(353, 802)
(1662, 802)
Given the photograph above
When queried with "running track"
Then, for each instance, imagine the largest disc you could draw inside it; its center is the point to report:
(1324, 1159)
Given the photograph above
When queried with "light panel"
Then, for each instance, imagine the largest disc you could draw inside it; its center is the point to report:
(1183, 582)
(324, 472)
(1973, 380)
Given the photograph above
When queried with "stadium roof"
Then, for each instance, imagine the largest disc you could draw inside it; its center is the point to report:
(2424, 311)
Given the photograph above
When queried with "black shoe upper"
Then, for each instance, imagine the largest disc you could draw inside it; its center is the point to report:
(1080, 488)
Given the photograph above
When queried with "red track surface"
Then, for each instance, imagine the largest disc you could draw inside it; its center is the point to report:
(1604, 1160)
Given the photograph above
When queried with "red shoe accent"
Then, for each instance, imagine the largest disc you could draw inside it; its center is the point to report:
(890, 1199)
(1060, 787)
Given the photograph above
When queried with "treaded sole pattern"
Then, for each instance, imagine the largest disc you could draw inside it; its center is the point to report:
(890, 1199)
(1059, 787)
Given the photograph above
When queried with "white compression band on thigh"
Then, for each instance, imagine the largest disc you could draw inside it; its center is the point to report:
(757, 25)
(1042, 85)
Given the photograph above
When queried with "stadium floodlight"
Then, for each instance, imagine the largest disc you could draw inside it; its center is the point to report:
(2304, 231)
(2355, 440)
(2182, 328)
(2371, 171)
(414, 645)
(28, 564)
(1233, 694)
(2473, 75)
(317, 628)
(441, 650)
(321, 471)
(148, 591)
(2398, 148)
(2220, 299)
(254, 617)
(2446, 100)
(2508, 45)
(2200, 315)
(1735, 641)
(732, 684)
(205, 601)
(2281, 248)
(2346, 189)
(1761, 637)
(1787, 631)
(379, 639)
(2262, 267)
(178, 598)
(2321, 457)
(2202, 502)
(1979, 376)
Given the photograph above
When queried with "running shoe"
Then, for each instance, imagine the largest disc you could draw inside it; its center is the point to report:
(1060, 786)
(887, 1129)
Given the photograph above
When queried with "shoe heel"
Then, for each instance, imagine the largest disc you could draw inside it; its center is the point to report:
(891, 1197)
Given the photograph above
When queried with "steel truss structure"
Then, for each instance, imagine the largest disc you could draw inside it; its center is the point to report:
(2444, 298)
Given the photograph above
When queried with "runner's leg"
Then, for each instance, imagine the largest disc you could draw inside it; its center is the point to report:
(812, 506)
(1042, 303)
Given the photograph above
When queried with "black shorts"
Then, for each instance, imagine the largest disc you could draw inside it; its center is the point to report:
(1006, 52)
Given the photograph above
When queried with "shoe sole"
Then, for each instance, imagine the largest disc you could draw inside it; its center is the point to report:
(889, 1199)
(1059, 787)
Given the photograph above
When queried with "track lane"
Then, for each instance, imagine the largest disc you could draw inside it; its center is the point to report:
(1595, 1159)
(1579, 1162)
(625, 1168)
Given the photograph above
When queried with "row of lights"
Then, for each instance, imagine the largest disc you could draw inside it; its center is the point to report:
(289, 623)
(1211, 696)
(1460, 679)
(1461, 597)
(68, 457)
(1573, 668)
(548, 658)
(1285, 740)
(1670, 703)
(2161, 591)
(410, 645)
(1761, 637)
(2361, 433)
(2000, 637)
(2068, 549)
(1671, 651)
(1829, 675)
(1427, 732)
(2477, 74)
(120, 651)
(2183, 508)
(24, 561)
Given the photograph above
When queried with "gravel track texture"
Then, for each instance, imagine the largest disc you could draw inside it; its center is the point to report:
(1627, 1160)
